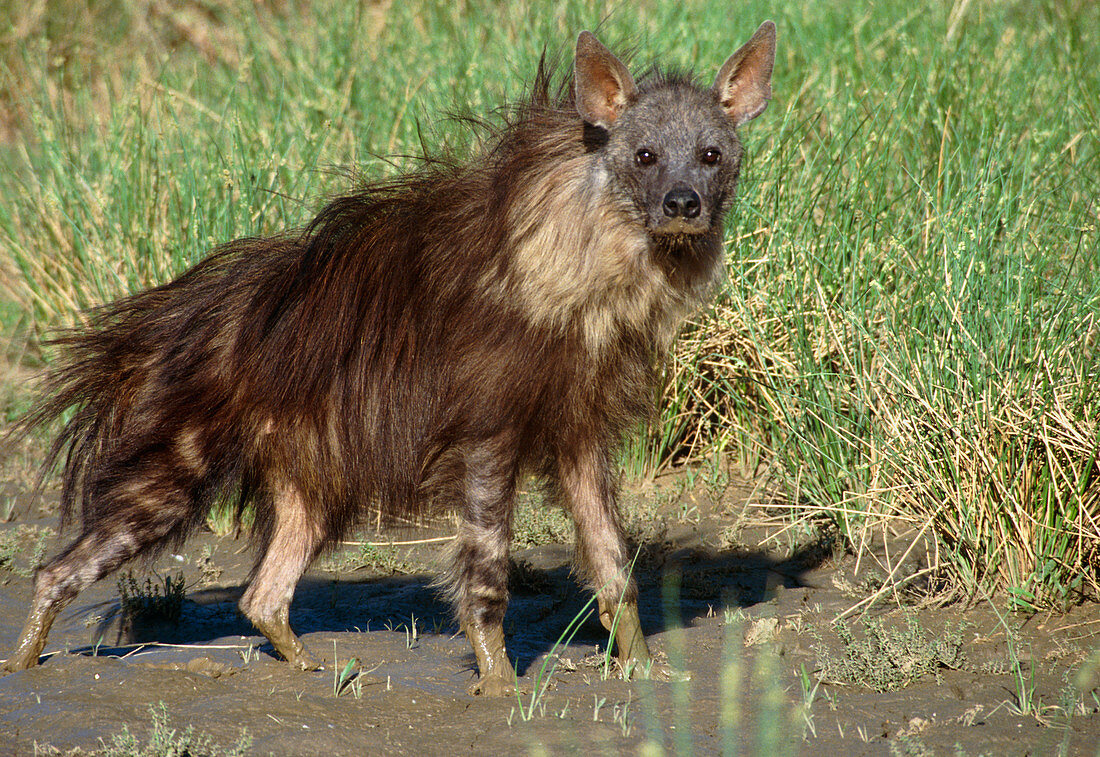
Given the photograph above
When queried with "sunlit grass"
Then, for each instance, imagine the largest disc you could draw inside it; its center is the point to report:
(909, 328)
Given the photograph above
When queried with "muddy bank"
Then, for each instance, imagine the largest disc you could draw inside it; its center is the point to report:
(743, 621)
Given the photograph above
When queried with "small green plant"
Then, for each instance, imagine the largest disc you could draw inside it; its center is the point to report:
(733, 615)
(15, 543)
(346, 677)
(535, 523)
(597, 704)
(622, 714)
(806, 704)
(1023, 676)
(1026, 700)
(381, 559)
(643, 523)
(886, 658)
(546, 670)
(544, 674)
(165, 741)
(160, 600)
(909, 745)
(226, 518)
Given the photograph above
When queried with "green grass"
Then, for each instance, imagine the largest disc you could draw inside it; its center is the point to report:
(379, 559)
(159, 600)
(886, 657)
(165, 741)
(22, 548)
(909, 330)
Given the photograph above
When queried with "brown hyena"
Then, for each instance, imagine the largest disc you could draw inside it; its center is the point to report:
(423, 342)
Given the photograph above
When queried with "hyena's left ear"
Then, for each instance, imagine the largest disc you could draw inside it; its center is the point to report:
(744, 85)
(602, 85)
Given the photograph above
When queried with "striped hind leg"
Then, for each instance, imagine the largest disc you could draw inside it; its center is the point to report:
(292, 547)
(126, 518)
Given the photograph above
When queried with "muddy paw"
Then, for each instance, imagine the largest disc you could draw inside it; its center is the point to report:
(17, 663)
(303, 660)
(308, 662)
(9, 666)
(492, 686)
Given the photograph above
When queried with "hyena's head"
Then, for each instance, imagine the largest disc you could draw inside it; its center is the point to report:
(671, 147)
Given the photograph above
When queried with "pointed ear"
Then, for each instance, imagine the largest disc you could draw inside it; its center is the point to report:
(744, 85)
(602, 85)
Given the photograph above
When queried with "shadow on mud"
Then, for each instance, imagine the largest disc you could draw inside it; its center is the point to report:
(546, 597)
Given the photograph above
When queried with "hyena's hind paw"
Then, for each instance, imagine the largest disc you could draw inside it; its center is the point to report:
(25, 655)
(492, 686)
(32, 640)
(16, 663)
(287, 644)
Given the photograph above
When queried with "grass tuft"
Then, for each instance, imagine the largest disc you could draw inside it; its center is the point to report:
(19, 542)
(165, 741)
(886, 658)
(160, 600)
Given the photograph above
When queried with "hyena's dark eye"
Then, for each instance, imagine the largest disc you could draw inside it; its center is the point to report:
(645, 157)
(711, 156)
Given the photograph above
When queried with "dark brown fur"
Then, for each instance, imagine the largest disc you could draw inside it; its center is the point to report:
(423, 342)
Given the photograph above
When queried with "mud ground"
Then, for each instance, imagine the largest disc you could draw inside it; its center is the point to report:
(737, 604)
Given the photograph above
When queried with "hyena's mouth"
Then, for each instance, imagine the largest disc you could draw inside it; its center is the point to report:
(680, 226)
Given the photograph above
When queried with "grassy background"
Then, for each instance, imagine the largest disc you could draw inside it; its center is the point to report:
(909, 332)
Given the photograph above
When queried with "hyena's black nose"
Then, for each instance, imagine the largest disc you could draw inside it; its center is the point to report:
(682, 202)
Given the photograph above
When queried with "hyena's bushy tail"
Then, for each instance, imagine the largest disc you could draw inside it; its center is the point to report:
(151, 396)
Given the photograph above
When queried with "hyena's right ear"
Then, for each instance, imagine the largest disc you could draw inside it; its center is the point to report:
(744, 85)
(602, 85)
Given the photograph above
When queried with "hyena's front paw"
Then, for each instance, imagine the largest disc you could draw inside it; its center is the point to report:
(305, 660)
(497, 677)
(16, 663)
(492, 686)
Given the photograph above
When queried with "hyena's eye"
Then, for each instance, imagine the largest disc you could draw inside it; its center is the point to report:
(712, 156)
(645, 157)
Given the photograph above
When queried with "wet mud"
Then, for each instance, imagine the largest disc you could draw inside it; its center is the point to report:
(738, 608)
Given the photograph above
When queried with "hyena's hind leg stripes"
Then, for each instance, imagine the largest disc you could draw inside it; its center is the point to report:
(133, 514)
(293, 545)
(479, 581)
(588, 490)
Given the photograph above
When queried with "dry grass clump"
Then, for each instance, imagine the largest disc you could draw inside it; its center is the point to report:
(718, 393)
(1006, 472)
(994, 457)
